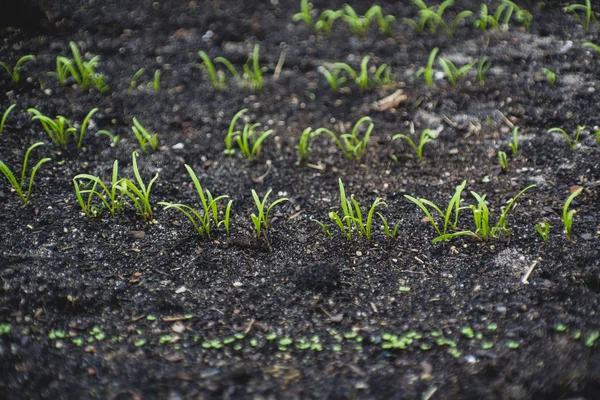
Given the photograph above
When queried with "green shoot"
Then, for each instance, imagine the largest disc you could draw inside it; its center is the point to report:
(304, 14)
(145, 139)
(382, 75)
(231, 133)
(201, 220)
(333, 77)
(140, 193)
(114, 139)
(5, 117)
(433, 18)
(326, 20)
(308, 135)
(18, 185)
(453, 73)
(426, 136)
(390, 233)
(15, 73)
(156, 81)
(507, 9)
(482, 67)
(583, 14)
(550, 76)
(58, 129)
(503, 161)
(384, 22)
(133, 80)
(262, 219)
(593, 46)
(217, 78)
(253, 71)
(514, 145)
(83, 72)
(453, 206)
(360, 24)
(485, 20)
(427, 72)
(349, 143)
(567, 215)
(543, 229)
(108, 198)
(572, 143)
(250, 142)
(596, 134)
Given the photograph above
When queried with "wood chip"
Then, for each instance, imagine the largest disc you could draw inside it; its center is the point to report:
(390, 102)
(178, 327)
(174, 357)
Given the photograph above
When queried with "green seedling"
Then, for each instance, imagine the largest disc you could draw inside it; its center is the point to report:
(250, 142)
(361, 79)
(60, 128)
(593, 46)
(567, 215)
(433, 17)
(232, 133)
(427, 136)
(390, 233)
(543, 229)
(514, 145)
(349, 143)
(83, 72)
(550, 76)
(503, 161)
(156, 81)
(114, 139)
(217, 78)
(15, 72)
(485, 20)
(133, 81)
(591, 338)
(109, 199)
(507, 9)
(19, 185)
(453, 207)
(452, 72)
(482, 67)
(427, 72)
(326, 20)
(261, 220)
(334, 77)
(253, 71)
(201, 220)
(140, 193)
(584, 14)
(360, 24)
(305, 14)
(596, 135)
(5, 117)
(304, 143)
(572, 142)
(144, 138)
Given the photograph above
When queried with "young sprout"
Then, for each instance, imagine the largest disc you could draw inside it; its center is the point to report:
(5, 117)
(201, 220)
(83, 72)
(427, 72)
(18, 185)
(133, 80)
(114, 139)
(567, 215)
(583, 14)
(503, 161)
(596, 134)
(349, 143)
(304, 14)
(433, 17)
(145, 139)
(452, 72)
(326, 20)
(514, 145)
(139, 194)
(156, 81)
(262, 219)
(333, 77)
(359, 25)
(550, 76)
(107, 197)
(485, 20)
(426, 136)
(232, 133)
(250, 142)
(307, 137)
(253, 71)
(15, 72)
(217, 78)
(572, 143)
(507, 9)
(543, 229)
(593, 46)
(382, 75)
(482, 68)
(58, 129)
(390, 233)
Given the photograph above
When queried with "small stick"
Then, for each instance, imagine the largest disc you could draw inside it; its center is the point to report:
(510, 124)
(526, 277)
(279, 66)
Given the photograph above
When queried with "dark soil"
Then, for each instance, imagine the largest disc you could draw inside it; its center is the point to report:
(120, 308)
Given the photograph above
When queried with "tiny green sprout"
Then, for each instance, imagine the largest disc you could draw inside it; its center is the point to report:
(271, 336)
(550, 76)
(15, 73)
(403, 289)
(139, 194)
(151, 317)
(304, 14)
(514, 144)
(304, 144)
(591, 338)
(262, 219)
(467, 331)
(250, 142)
(229, 340)
(232, 133)
(507, 9)
(593, 46)
(433, 17)
(390, 233)
(156, 81)
(83, 72)
(454, 352)
(326, 20)
(361, 78)
(483, 66)
(114, 139)
(5, 117)
(427, 136)
(511, 344)
(77, 341)
(217, 78)
(106, 198)
(567, 215)
(165, 339)
(427, 72)
(543, 229)
(360, 24)
(18, 185)
(349, 143)
(209, 214)
(253, 71)
(144, 138)
(584, 14)
(58, 129)
(139, 342)
(334, 77)
(133, 80)
(503, 160)
(492, 326)
(572, 142)
(559, 327)
(485, 19)
(454, 74)
(596, 134)
(5, 329)
(479, 336)
(285, 341)
(577, 335)
(487, 345)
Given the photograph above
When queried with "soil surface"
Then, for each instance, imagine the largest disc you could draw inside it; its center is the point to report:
(121, 308)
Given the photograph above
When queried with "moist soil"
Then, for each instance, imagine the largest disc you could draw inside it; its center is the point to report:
(117, 307)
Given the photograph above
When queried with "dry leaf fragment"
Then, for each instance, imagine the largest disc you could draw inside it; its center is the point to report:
(391, 101)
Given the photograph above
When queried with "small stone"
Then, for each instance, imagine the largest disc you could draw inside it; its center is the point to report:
(178, 146)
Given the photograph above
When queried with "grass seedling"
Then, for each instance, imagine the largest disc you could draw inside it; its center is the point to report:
(232, 133)
(304, 143)
(433, 17)
(18, 185)
(60, 128)
(507, 9)
(453, 207)
(550, 76)
(485, 20)
(503, 161)
(333, 77)
(592, 45)
(567, 215)
(514, 144)
(326, 20)
(217, 78)
(253, 71)
(114, 139)
(452, 72)
(5, 117)
(83, 72)
(584, 14)
(15, 72)
(426, 136)
(360, 24)
(382, 75)
(305, 14)
(390, 233)
(156, 81)
(145, 139)
(140, 193)
(543, 229)
(482, 67)
(572, 143)
(427, 72)
(262, 219)
(201, 220)
(349, 143)
(596, 134)
(133, 80)
(248, 140)
(108, 197)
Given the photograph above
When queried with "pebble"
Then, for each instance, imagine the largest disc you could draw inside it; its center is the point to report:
(178, 146)
(501, 309)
